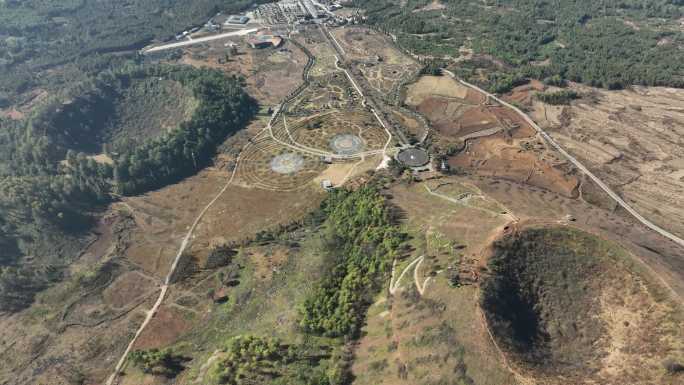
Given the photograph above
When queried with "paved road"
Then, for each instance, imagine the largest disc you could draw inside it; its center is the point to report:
(199, 40)
(579, 165)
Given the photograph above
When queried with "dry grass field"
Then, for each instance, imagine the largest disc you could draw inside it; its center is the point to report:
(496, 142)
(270, 74)
(585, 312)
(635, 310)
(633, 140)
(451, 108)
(440, 335)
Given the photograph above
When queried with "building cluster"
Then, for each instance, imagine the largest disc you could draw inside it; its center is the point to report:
(187, 33)
(295, 11)
(216, 24)
(236, 20)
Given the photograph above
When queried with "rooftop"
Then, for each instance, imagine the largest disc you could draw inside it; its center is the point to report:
(237, 19)
(413, 157)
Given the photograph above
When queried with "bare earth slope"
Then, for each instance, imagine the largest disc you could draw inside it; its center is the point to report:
(634, 140)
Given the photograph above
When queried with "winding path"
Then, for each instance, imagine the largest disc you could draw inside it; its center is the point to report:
(167, 280)
(578, 164)
(394, 285)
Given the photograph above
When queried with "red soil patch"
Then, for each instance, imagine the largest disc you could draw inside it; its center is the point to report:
(492, 156)
(517, 96)
(523, 94)
(268, 261)
(164, 329)
(449, 118)
(512, 120)
(476, 119)
(475, 97)
(13, 114)
(537, 85)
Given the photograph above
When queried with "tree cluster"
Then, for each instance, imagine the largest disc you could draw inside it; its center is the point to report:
(558, 97)
(82, 38)
(249, 358)
(49, 185)
(224, 108)
(160, 362)
(361, 240)
(584, 41)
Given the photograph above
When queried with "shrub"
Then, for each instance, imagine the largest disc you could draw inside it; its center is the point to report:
(673, 367)
(157, 362)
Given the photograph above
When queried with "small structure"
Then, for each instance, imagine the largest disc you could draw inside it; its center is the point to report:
(444, 166)
(327, 185)
(232, 48)
(265, 41)
(211, 26)
(413, 157)
(327, 159)
(237, 19)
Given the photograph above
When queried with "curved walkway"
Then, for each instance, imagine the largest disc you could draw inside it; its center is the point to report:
(280, 109)
(394, 284)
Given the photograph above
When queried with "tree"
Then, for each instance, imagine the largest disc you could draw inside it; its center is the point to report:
(158, 362)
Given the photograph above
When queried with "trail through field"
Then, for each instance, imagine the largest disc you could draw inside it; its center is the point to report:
(394, 285)
(294, 145)
(167, 280)
(416, 277)
(188, 237)
(602, 185)
(464, 202)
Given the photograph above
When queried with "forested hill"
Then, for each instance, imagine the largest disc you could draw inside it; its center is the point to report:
(73, 68)
(49, 192)
(608, 44)
(76, 35)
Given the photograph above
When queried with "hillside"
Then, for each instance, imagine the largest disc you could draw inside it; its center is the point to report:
(66, 163)
(69, 41)
(604, 44)
(319, 197)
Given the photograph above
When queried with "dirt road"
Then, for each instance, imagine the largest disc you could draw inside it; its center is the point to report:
(579, 165)
(167, 280)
